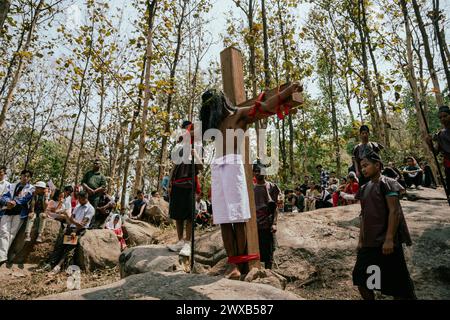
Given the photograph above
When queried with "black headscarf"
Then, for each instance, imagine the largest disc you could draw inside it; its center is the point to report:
(373, 157)
(364, 128)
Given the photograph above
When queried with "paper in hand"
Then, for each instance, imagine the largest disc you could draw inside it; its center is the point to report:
(51, 185)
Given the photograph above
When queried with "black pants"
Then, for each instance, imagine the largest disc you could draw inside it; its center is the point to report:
(98, 222)
(429, 177)
(417, 180)
(266, 246)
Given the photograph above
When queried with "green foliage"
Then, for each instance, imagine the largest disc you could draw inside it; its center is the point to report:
(48, 161)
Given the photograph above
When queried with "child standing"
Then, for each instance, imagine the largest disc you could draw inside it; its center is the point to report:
(382, 233)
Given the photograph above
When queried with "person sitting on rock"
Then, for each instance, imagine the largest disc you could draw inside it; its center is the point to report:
(155, 196)
(428, 177)
(351, 188)
(289, 200)
(310, 197)
(114, 223)
(14, 211)
(105, 205)
(202, 217)
(266, 196)
(38, 205)
(299, 200)
(139, 204)
(412, 173)
(324, 199)
(382, 233)
(77, 224)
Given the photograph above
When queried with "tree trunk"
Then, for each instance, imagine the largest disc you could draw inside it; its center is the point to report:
(372, 107)
(346, 90)
(266, 47)
(428, 56)
(163, 154)
(100, 117)
(131, 137)
(81, 151)
(440, 36)
(20, 66)
(80, 105)
(263, 122)
(12, 62)
(348, 99)
(151, 8)
(412, 80)
(4, 9)
(334, 121)
(117, 147)
(288, 79)
(31, 138)
(32, 147)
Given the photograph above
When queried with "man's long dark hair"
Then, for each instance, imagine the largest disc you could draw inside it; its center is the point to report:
(213, 109)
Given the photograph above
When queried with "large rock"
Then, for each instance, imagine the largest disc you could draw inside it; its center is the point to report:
(317, 250)
(139, 233)
(32, 252)
(148, 258)
(209, 248)
(177, 286)
(157, 212)
(428, 195)
(98, 249)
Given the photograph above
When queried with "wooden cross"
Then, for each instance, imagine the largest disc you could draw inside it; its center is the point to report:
(233, 87)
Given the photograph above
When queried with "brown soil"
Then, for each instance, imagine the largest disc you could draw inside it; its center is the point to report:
(23, 282)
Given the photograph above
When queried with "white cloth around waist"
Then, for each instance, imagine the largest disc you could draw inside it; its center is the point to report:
(229, 194)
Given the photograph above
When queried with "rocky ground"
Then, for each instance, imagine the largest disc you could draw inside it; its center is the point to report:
(314, 260)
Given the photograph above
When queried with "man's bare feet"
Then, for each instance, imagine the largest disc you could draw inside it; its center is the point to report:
(233, 272)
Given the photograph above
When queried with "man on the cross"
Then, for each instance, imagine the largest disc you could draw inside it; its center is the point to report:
(230, 200)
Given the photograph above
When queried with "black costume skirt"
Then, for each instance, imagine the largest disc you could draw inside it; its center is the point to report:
(395, 279)
(266, 245)
(180, 205)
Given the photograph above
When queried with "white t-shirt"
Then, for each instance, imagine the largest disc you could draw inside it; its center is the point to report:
(4, 186)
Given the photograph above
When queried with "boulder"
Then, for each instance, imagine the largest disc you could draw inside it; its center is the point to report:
(177, 286)
(98, 249)
(425, 194)
(209, 248)
(220, 268)
(157, 212)
(138, 233)
(31, 252)
(147, 258)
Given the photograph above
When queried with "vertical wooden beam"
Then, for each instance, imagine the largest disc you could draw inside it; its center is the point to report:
(233, 87)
